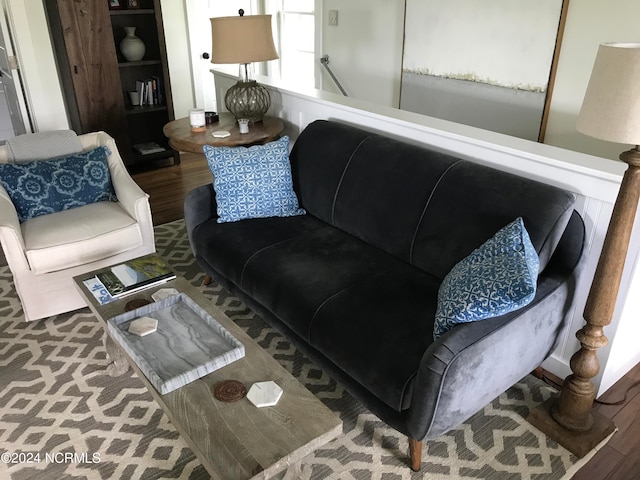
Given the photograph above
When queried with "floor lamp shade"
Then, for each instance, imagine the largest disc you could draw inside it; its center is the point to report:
(611, 107)
(244, 40)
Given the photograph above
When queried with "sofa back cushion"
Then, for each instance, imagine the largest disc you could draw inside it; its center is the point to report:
(426, 207)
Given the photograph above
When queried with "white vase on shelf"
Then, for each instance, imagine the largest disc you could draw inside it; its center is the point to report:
(131, 46)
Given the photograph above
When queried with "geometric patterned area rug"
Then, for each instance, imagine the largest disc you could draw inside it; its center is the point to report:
(63, 417)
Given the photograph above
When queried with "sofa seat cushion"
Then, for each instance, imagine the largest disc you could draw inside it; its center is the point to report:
(74, 237)
(284, 263)
(336, 292)
(295, 278)
(227, 247)
(378, 330)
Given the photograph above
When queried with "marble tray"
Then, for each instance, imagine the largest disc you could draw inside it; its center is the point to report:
(188, 344)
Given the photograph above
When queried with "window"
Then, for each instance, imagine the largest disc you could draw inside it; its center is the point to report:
(294, 32)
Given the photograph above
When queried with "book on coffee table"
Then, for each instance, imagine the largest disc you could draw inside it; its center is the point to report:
(128, 278)
(98, 290)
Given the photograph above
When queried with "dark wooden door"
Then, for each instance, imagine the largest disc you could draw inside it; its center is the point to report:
(85, 26)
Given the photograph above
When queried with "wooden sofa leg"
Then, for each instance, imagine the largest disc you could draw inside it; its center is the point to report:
(415, 452)
(207, 280)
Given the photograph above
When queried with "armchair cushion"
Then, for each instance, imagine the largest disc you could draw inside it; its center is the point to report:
(79, 236)
(253, 182)
(42, 145)
(496, 278)
(47, 186)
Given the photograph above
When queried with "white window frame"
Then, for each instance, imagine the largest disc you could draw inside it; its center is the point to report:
(273, 69)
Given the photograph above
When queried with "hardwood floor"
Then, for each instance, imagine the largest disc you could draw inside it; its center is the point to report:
(168, 185)
(618, 460)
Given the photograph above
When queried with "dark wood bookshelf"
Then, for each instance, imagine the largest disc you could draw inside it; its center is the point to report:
(97, 79)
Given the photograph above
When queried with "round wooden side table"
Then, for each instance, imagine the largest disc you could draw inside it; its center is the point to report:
(182, 138)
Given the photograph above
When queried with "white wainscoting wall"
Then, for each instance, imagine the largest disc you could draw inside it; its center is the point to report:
(595, 180)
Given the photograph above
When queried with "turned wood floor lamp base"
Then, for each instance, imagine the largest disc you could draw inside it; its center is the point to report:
(569, 418)
(610, 111)
(578, 443)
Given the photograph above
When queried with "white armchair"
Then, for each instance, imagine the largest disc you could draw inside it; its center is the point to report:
(44, 253)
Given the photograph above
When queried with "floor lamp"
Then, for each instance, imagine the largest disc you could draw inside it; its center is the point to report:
(610, 111)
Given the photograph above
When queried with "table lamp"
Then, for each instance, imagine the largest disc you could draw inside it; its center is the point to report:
(610, 111)
(244, 40)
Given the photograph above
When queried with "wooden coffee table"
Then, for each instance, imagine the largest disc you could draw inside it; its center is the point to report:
(234, 440)
(182, 138)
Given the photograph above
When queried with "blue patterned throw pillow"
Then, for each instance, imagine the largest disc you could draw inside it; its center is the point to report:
(497, 278)
(253, 182)
(47, 186)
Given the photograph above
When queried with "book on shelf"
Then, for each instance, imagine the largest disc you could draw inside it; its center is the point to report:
(129, 277)
(150, 91)
(148, 147)
(159, 96)
(140, 89)
(148, 100)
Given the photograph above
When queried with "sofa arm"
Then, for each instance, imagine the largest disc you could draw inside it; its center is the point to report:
(199, 207)
(11, 234)
(476, 362)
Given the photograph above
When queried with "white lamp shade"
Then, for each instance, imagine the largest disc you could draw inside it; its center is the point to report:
(244, 39)
(611, 107)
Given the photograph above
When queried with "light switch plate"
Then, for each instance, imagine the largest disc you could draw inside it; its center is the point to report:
(333, 18)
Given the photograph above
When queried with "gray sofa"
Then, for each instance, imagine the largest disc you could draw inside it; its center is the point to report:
(354, 282)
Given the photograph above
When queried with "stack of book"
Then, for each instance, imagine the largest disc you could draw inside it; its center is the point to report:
(150, 91)
(148, 148)
(129, 277)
